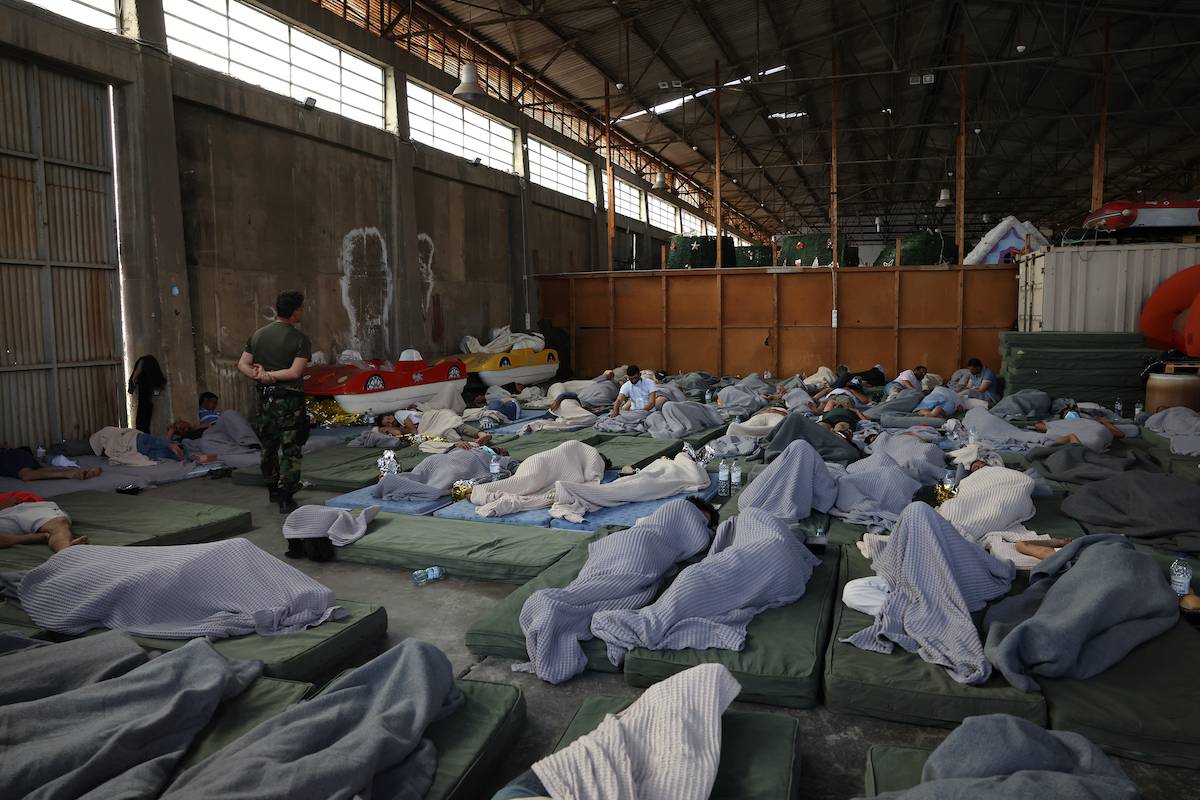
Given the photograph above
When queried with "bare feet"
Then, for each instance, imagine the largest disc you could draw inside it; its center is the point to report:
(206, 458)
(177, 451)
(58, 542)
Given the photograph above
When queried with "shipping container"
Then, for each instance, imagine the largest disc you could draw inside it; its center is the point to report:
(1099, 288)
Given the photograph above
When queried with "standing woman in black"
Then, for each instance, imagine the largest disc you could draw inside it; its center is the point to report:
(145, 381)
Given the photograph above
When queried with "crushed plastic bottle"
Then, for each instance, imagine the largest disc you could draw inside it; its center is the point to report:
(1181, 576)
(735, 477)
(723, 479)
(708, 396)
(428, 575)
(387, 464)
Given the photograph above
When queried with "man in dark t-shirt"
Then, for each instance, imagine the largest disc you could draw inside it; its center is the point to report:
(275, 358)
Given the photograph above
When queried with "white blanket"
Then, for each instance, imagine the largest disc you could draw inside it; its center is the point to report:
(664, 478)
(503, 340)
(120, 445)
(666, 746)
(532, 485)
(759, 426)
(990, 499)
(569, 416)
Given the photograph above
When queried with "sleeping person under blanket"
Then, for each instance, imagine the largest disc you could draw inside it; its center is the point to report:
(406, 423)
(1094, 433)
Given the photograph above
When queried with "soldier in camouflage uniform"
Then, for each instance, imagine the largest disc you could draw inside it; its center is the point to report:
(275, 358)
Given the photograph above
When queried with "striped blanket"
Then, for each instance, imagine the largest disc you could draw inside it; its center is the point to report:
(664, 478)
(219, 589)
(435, 476)
(937, 578)
(623, 570)
(873, 497)
(755, 563)
(676, 420)
(792, 486)
(341, 526)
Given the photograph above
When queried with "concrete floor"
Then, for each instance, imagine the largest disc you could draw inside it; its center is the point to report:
(834, 745)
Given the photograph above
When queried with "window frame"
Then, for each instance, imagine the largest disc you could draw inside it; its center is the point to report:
(437, 128)
(553, 176)
(651, 201)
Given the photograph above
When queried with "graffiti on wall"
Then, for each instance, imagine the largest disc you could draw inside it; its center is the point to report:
(367, 285)
(431, 304)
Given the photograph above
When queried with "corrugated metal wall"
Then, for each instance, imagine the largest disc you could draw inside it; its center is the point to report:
(61, 374)
(1096, 289)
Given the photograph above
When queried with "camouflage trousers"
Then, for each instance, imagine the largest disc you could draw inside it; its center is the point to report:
(282, 427)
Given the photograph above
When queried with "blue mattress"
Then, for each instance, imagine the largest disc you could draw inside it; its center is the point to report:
(630, 512)
(513, 428)
(362, 498)
(538, 518)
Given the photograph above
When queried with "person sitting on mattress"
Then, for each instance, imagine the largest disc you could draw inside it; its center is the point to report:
(982, 383)
(636, 394)
(909, 379)
(1094, 433)
(940, 402)
(208, 413)
(406, 423)
(28, 519)
(19, 463)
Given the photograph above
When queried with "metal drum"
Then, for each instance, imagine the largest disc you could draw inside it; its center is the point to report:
(1168, 391)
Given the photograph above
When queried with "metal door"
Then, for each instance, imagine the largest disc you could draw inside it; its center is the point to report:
(61, 374)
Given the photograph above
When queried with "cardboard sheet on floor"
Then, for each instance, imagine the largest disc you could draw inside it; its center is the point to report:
(625, 515)
(782, 661)
(901, 686)
(760, 753)
(482, 550)
(362, 498)
(498, 633)
(893, 769)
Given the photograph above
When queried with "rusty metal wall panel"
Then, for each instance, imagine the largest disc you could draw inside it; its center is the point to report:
(14, 99)
(83, 322)
(25, 399)
(21, 340)
(1096, 289)
(74, 117)
(76, 208)
(18, 209)
(88, 399)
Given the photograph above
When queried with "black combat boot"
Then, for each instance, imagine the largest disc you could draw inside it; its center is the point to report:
(273, 494)
(287, 504)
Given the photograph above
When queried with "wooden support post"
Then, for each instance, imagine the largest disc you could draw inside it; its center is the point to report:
(776, 355)
(717, 156)
(571, 300)
(612, 321)
(833, 165)
(897, 259)
(608, 171)
(666, 353)
(1098, 155)
(662, 264)
(896, 350)
(960, 166)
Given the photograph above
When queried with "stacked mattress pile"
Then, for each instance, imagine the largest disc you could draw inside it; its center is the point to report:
(1093, 367)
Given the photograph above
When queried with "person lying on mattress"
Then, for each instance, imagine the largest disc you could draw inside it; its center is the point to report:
(1075, 427)
(909, 379)
(28, 519)
(531, 486)
(19, 463)
(406, 423)
(840, 418)
(855, 389)
(940, 402)
(132, 447)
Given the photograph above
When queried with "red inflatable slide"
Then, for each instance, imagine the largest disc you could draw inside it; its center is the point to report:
(1177, 295)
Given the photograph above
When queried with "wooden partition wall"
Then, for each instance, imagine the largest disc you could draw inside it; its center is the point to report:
(734, 322)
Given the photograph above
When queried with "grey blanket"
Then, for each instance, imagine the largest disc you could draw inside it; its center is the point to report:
(798, 400)
(734, 446)
(230, 438)
(670, 392)
(1074, 463)
(902, 403)
(43, 669)
(219, 589)
(740, 401)
(873, 497)
(436, 475)
(936, 579)
(792, 486)
(676, 420)
(599, 393)
(693, 384)
(995, 432)
(1181, 426)
(341, 526)
(624, 570)
(755, 383)
(1158, 508)
(924, 461)
(362, 736)
(119, 737)
(1087, 607)
(625, 422)
(896, 420)
(797, 427)
(1025, 404)
(374, 439)
(1001, 757)
(754, 564)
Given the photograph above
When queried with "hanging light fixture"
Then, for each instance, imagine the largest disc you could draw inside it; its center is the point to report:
(469, 88)
(660, 181)
(943, 199)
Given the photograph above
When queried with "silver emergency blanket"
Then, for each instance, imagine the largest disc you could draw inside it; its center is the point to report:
(740, 401)
(623, 570)
(1181, 426)
(997, 433)
(937, 578)
(755, 563)
(218, 589)
(666, 746)
(1025, 404)
(792, 486)
(873, 497)
(362, 736)
(734, 446)
(902, 403)
(676, 420)
(831, 447)
(118, 737)
(341, 526)
(665, 477)
(1002, 757)
(1087, 607)
(436, 475)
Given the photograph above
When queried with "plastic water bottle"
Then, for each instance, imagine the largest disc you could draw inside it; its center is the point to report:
(723, 479)
(494, 469)
(1117, 408)
(428, 575)
(1137, 409)
(972, 436)
(1181, 576)
(708, 396)
(735, 477)
(40, 453)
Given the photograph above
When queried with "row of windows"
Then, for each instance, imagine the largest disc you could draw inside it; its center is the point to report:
(239, 40)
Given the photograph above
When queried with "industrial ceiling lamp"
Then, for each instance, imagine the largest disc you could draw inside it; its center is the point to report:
(660, 181)
(943, 200)
(469, 89)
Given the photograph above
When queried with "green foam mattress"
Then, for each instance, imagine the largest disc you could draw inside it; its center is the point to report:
(624, 450)
(263, 699)
(498, 632)
(760, 753)
(472, 741)
(781, 662)
(335, 469)
(901, 686)
(893, 769)
(484, 550)
(522, 447)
